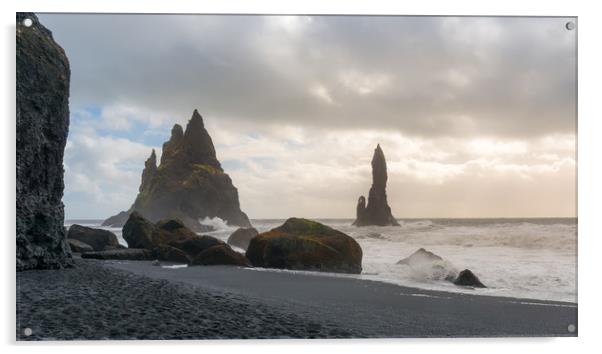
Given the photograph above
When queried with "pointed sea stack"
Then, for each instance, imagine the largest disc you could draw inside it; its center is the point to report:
(377, 212)
(189, 183)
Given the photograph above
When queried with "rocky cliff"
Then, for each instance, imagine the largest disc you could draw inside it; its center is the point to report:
(189, 183)
(42, 125)
(377, 211)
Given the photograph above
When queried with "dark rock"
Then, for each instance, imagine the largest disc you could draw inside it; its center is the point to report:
(197, 244)
(170, 240)
(421, 256)
(171, 254)
(467, 278)
(129, 254)
(100, 240)
(189, 184)
(138, 232)
(42, 125)
(77, 246)
(242, 236)
(377, 212)
(221, 255)
(306, 245)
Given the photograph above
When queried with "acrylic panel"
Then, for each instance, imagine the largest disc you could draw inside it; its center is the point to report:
(185, 176)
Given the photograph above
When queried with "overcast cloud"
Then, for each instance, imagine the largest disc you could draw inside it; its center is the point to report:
(476, 116)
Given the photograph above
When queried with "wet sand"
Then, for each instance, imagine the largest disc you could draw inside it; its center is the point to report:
(136, 300)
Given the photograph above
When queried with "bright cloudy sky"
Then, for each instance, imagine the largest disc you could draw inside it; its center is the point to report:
(476, 116)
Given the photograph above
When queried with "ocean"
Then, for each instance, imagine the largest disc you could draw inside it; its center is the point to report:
(534, 258)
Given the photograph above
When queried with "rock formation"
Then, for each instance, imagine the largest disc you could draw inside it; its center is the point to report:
(467, 278)
(189, 183)
(42, 126)
(306, 245)
(377, 212)
(170, 240)
(98, 239)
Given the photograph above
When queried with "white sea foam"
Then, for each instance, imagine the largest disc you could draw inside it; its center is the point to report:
(533, 259)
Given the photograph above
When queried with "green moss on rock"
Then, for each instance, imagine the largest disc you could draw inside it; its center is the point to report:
(306, 245)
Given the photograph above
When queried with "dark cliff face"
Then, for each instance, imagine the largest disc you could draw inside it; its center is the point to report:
(42, 126)
(377, 212)
(189, 184)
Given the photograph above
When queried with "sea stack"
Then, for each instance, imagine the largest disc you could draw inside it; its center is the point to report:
(42, 126)
(377, 212)
(189, 184)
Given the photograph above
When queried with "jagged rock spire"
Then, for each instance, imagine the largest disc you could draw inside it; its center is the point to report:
(377, 211)
(189, 184)
(150, 169)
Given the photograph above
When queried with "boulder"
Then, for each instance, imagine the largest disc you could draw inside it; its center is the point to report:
(242, 236)
(171, 254)
(100, 240)
(170, 240)
(305, 245)
(197, 244)
(377, 212)
(138, 232)
(130, 254)
(42, 125)
(221, 255)
(467, 278)
(78, 246)
(188, 184)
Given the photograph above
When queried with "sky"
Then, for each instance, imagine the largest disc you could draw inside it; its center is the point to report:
(476, 116)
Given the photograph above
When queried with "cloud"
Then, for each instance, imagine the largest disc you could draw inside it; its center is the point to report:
(424, 76)
(476, 115)
(102, 174)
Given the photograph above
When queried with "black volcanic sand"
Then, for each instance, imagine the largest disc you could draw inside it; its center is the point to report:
(93, 301)
(134, 299)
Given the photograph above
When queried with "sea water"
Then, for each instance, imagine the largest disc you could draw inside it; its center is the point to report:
(523, 258)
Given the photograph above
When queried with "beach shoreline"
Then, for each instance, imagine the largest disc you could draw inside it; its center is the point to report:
(136, 300)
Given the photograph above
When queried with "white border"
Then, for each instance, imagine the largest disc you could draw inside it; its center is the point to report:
(590, 176)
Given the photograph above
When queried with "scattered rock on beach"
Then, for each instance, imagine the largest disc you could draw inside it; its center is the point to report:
(189, 183)
(42, 124)
(197, 244)
(79, 247)
(171, 240)
(98, 239)
(306, 245)
(221, 255)
(242, 236)
(138, 232)
(171, 254)
(130, 254)
(377, 212)
(467, 278)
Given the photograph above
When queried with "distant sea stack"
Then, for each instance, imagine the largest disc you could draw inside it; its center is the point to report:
(42, 126)
(377, 212)
(189, 184)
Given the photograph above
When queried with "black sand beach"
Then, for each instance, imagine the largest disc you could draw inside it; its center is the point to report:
(136, 300)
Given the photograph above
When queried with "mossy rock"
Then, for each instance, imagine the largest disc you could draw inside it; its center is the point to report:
(306, 245)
